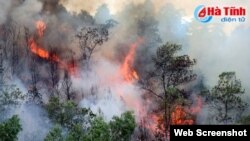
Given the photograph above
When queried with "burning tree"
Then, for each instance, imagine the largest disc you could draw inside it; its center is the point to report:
(225, 99)
(170, 72)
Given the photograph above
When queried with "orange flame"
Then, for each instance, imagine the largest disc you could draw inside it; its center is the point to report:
(72, 68)
(39, 51)
(180, 117)
(40, 27)
(34, 48)
(127, 71)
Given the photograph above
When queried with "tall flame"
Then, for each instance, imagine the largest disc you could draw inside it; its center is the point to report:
(127, 71)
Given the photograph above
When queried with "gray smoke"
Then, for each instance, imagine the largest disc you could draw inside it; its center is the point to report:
(4, 7)
(35, 122)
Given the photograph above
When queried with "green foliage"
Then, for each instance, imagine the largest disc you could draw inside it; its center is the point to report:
(175, 97)
(172, 68)
(10, 129)
(245, 120)
(76, 133)
(122, 127)
(119, 128)
(225, 98)
(99, 131)
(54, 135)
(67, 114)
(54, 107)
(10, 96)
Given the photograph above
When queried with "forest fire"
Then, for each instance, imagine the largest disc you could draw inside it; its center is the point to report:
(179, 116)
(127, 71)
(42, 53)
(133, 68)
(34, 48)
(183, 116)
